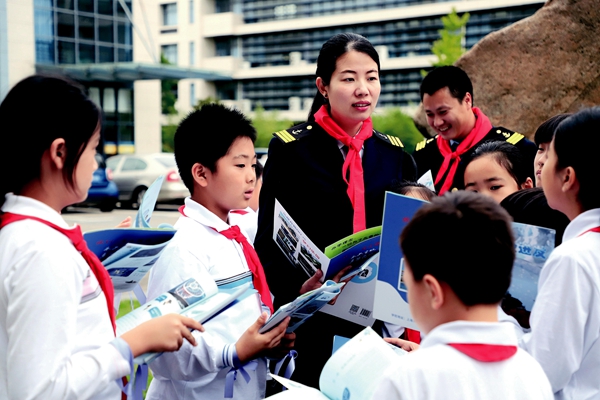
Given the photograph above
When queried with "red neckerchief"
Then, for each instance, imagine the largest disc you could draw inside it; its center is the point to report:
(485, 352)
(412, 335)
(596, 229)
(92, 260)
(356, 185)
(482, 127)
(259, 280)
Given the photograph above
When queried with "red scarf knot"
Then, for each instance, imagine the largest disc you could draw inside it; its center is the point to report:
(485, 352)
(353, 161)
(452, 158)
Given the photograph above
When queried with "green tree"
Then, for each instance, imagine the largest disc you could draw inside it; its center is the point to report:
(392, 121)
(266, 123)
(169, 92)
(168, 138)
(449, 47)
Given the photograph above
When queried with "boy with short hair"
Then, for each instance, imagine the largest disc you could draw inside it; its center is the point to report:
(214, 151)
(466, 352)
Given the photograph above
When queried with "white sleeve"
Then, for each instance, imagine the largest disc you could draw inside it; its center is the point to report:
(44, 289)
(559, 318)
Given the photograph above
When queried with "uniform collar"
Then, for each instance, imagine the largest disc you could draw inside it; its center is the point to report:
(201, 214)
(583, 222)
(28, 206)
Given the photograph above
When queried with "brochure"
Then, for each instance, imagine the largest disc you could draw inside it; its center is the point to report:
(355, 304)
(303, 307)
(352, 372)
(189, 298)
(533, 245)
(301, 251)
(129, 253)
(391, 302)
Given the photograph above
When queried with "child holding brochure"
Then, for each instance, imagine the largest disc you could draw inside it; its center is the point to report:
(57, 338)
(215, 155)
(466, 352)
(565, 319)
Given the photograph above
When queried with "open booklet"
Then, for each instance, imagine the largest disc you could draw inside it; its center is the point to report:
(533, 245)
(352, 372)
(303, 307)
(191, 299)
(129, 253)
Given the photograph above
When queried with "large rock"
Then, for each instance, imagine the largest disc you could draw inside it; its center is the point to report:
(540, 66)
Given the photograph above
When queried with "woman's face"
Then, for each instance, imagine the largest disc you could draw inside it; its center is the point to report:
(353, 90)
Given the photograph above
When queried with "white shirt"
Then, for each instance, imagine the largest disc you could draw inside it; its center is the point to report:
(565, 319)
(55, 331)
(438, 371)
(247, 220)
(197, 250)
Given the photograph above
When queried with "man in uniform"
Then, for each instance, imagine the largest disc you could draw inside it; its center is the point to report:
(447, 96)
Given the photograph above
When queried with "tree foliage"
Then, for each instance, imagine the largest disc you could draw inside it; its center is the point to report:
(449, 47)
(392, 121)
(168, 138)
(267, 123)
(168, 92)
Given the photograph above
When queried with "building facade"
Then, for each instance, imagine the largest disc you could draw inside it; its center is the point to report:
(270, 47)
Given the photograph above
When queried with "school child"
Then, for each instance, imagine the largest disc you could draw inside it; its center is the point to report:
(466, 353)
(565, 319)
(247, 219)
(496, 169)
(57, 338)
(215, 156)
(542, 137)
(413, 189)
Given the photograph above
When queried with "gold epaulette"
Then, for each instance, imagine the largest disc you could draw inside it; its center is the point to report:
(393, 140)
(421, 145)
(294, 133)
(510, 136)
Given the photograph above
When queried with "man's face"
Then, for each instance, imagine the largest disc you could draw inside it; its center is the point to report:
(450, 118)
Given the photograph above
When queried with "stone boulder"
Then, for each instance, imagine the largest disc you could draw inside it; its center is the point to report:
(538, 67)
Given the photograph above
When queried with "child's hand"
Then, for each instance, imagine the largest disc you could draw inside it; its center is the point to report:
(284, 347)
(403, 344)
(337, 278)
(126, 223)
(253, 343)
(161, 334)
(312, 283)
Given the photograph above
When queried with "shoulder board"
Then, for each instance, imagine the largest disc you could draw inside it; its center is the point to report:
(295, 132)
(508, 135)
(393, 140)
(421, 145)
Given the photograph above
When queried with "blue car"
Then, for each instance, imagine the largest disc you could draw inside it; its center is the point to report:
(103, 193)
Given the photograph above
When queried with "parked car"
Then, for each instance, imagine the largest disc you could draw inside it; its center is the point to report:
(103, 193)
(133, 174)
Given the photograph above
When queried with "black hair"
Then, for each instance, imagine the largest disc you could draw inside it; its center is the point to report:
(478, 274)
(405, 187)
(576, 143)
(333, 49)
(507, 155)
(455, 79)
(43, 108)
(529, 206)
(206, 135)
(258, 169)
(545, 132)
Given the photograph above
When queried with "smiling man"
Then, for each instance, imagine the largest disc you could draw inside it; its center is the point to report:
(447, 96)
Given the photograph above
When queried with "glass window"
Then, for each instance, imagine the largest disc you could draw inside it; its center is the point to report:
(66, 52)
(120, 11)
(125, 55)
(67, 4)
(44, 51)
(106, 54)
(43, 3)
(133, 164)
(44, 23)
(223, 47)
(87, 53)
(85, 5)
(124, 32)
(169, 14)
(192, 16)
(192, 95)
(105, 30)
(192, 53)
(86, 28)
(65, 25)
(105, 7)
(170, 53)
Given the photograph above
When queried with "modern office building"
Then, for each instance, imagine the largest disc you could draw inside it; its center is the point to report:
(270, 47)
